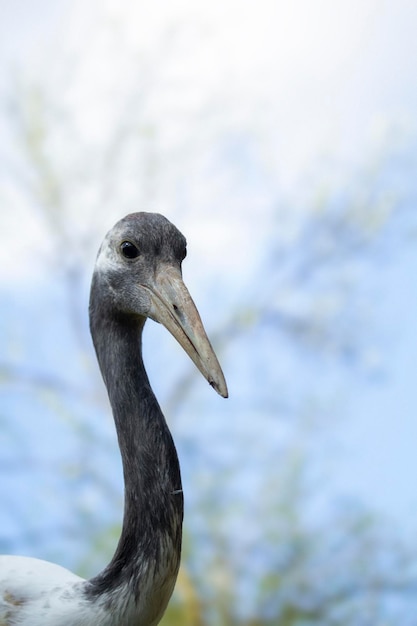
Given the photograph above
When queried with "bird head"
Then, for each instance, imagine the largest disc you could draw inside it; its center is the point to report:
(139, 266)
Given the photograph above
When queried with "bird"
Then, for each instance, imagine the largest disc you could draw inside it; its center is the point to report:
(137, 275)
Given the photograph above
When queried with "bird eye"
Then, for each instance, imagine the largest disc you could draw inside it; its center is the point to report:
(129, 250)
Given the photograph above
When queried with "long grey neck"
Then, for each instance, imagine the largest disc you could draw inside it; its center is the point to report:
(150, 542)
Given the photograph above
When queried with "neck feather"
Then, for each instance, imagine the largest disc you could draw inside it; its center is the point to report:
(148, 552)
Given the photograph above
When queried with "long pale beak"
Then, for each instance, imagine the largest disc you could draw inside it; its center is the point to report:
(172, 306)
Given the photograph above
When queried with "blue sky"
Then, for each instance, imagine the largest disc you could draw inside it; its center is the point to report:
(378, 441)
(334, 84)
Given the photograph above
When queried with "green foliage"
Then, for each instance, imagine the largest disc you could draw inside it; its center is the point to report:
(253, 556)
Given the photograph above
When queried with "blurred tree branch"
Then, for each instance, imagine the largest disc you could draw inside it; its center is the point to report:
(301, 289)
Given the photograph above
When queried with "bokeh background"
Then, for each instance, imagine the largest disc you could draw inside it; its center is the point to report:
(281, 138)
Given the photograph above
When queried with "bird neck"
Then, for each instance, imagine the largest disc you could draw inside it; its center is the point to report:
(148, 553)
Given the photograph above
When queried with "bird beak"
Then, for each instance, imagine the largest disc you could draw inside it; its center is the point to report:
(172, 306)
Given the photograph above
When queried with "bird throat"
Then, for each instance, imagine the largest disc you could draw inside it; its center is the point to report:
(148, 553)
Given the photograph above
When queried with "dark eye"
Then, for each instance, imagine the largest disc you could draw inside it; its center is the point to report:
(129, 250)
